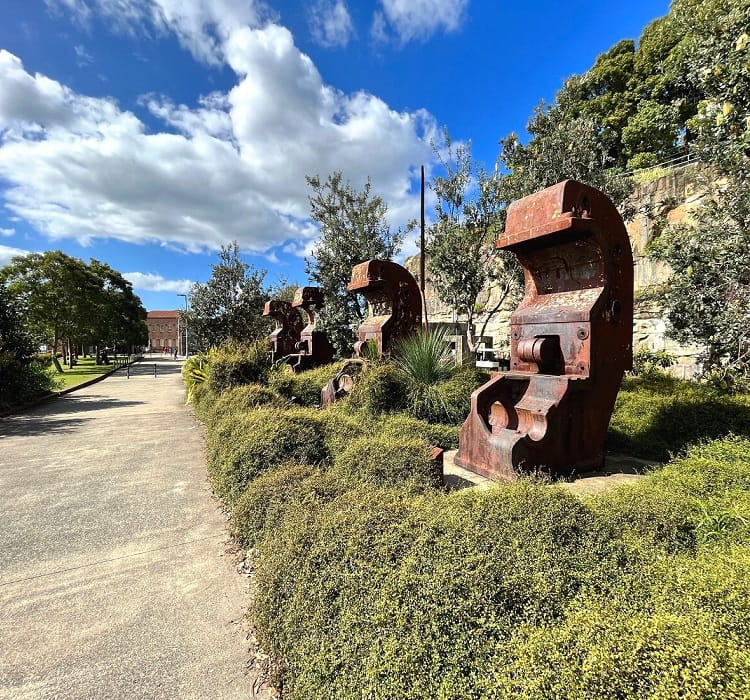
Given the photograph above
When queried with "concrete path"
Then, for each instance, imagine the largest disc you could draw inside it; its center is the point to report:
(116, 578)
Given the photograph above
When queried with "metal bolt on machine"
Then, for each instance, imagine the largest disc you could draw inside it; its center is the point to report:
(571, 339)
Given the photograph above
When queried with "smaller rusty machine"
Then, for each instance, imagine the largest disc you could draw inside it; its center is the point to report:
(393, 301)
(394, 306)
(571, 339)
(312, 347)
(286, 335)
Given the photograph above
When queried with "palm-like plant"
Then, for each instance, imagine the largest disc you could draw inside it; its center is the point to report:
(195, 371)
(423, 361)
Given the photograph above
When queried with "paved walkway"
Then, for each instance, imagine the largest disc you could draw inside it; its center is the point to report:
(115, 575)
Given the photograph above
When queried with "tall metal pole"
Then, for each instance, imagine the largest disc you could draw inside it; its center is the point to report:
(422, 254)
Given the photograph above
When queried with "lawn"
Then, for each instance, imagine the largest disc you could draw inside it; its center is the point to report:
(85, 369)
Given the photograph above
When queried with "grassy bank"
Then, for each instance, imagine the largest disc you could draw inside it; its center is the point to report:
(85, 370)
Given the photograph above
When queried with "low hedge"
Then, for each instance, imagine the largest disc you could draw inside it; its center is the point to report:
(259, 511)
(657, 416)
(243, 445)
(302, 387)
(520, 591)
(235, 364)
(386, 461)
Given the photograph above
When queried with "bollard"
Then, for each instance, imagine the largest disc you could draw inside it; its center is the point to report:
(128, 371)
(154, 370)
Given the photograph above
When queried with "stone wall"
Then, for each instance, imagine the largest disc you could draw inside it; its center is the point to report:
(675, 194)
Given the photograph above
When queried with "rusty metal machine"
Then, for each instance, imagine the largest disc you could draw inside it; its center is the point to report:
(286, 335)
(312, 348)
(394, 305)
(393, 300)
(571, 339)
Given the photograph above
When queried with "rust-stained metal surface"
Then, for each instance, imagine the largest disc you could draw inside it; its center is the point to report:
(286, 335)
(312, 347)
(393, 300)
(571, 339)
(343, 383)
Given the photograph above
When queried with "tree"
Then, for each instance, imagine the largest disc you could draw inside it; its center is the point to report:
(708, 292)
(72, 302)
(57, 290)
(353, 229)
(470, 214)
(117, 314)
(230, 305)
(21, 377)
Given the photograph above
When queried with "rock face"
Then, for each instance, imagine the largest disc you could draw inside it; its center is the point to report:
(674, 194)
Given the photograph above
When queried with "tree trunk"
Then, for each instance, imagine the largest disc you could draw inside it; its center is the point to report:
(55, 361)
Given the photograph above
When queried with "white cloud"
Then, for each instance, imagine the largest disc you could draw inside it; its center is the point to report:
(379, 28)
(81, 167)
(330, 23)
(83, 57)
(6, 253)
(156, 283)
(7, 231)
(201, 26)
(420, 19)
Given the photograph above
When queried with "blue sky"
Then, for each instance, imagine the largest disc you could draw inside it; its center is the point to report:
(147, 133)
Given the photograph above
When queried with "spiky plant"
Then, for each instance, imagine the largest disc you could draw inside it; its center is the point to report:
(195, 371)
(423, 362)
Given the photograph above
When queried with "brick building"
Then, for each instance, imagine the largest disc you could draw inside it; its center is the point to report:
(162, 330)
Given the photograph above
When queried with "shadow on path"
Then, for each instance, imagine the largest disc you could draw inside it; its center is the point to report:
(29, 426)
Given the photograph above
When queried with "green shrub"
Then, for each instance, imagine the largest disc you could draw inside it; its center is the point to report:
(377, 594)
(378, 390)
(403, 426)
(341, 427)
(386, 461)
(234, 364)
(259, 510)
(245, 444)
(647, 515)
(244, 398)
(303, 387)
(657, 416)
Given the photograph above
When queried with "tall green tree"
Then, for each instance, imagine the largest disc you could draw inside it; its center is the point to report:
(353, 229)
(21, 377)
(708, 293)
(230, 305)
(469, 217)
(58, 292)
(117, 314)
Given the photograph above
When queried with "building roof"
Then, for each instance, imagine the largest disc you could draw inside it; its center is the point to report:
(162, 314)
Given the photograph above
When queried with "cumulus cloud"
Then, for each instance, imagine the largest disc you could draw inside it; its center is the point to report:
(330, 23)
(7, 253)
(420, 19)
(201, 26)
(150, 282)
(81, 167)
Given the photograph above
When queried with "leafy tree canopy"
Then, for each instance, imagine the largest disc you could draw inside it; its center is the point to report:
(66, 299)
(230, 305)
(353, 229)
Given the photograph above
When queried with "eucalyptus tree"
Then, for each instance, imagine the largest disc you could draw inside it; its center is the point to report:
(469, 217)
(353, 229)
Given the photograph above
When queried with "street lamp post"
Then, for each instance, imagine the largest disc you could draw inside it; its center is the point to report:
(185, 323)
